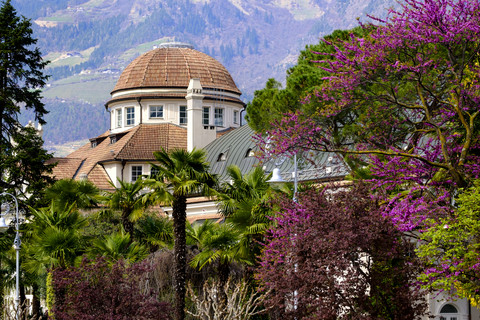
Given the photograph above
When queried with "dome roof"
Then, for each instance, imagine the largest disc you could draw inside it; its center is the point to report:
(173, 67)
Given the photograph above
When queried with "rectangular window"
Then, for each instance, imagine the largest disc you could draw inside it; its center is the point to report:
(235, 117)
(156, 112)
(219, 117)
(206, 116)
(183, 115)
(130, 116)
(136, 172)
(119, 117)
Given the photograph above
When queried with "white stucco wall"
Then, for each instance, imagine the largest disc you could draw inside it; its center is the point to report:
(171, 112)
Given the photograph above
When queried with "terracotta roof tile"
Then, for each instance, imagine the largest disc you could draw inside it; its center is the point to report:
(65, 168)
(174, 67)
(150, 138)
(99, 177)
(138, 143)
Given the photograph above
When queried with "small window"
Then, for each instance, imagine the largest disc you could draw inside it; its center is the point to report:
(113, 139)
(221, 157)
(206, 116)
(156, 112)
(136, 172)
(249, 153)
(130, 116)
(235, 117)
(93, 143)
(219, 117)
(183, 115)
(119, 117)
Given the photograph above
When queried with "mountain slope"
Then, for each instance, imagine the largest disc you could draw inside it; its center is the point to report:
(91, 42)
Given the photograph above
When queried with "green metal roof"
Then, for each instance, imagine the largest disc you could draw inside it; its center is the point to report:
(234, 148)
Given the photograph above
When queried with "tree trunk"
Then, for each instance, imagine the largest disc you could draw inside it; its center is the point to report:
(127, 224)
(179, 208)
(223, 273)
(35, 301)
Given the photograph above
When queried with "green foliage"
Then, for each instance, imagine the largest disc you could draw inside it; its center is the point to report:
(55, 239)
(128, 198)
(65, 192)
(451, 249)
(155, 232)
(271, 102)
(22, 158)
(50, 299)
(118, 246)
(102, 222)
(217, 244)
(245, 203)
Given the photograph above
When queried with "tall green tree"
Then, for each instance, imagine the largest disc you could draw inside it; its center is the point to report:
(180, 174)
(273, 101)
(128, 198)
(22, 159)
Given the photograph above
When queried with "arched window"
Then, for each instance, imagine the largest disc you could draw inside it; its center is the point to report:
(448, 312)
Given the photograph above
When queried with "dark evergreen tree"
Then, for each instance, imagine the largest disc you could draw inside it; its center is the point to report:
(23, 171)
(22, 158)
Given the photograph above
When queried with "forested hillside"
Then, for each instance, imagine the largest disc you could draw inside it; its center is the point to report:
(89, 43)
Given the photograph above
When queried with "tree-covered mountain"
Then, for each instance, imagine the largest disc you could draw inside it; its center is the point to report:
(89, 43)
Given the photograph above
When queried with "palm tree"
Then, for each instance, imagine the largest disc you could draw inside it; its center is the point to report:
(128, 198)
(56, 238)
(179, 174)
(117, 246)
(244, 202)
(53, 239)
(218, 244)
(155, 232)
(68, 191)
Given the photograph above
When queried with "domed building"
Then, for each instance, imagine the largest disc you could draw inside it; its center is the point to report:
(170, 97)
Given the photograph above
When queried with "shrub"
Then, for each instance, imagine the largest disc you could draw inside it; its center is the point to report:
(95, 290)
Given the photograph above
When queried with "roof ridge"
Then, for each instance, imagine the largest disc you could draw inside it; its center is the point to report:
(135, 130)
(187, 65)
(145, 69)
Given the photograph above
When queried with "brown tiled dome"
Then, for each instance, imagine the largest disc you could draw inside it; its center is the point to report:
(173, 67)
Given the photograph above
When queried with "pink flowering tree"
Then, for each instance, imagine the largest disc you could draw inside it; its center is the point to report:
(404, 101)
